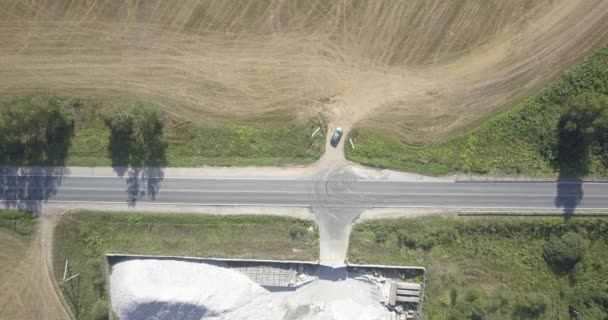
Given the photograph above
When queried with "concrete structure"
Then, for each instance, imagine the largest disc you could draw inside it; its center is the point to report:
(270, 276)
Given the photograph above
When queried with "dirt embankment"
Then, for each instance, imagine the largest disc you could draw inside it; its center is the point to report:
(420, 69)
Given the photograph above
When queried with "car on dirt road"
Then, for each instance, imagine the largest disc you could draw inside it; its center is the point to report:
(335, 139)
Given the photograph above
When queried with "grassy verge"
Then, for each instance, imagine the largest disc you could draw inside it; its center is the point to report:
(493, 268)
(19, 222)
(84, 237)
(276, 140)
(523, 140)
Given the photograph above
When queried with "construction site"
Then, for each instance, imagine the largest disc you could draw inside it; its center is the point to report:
(198, 288)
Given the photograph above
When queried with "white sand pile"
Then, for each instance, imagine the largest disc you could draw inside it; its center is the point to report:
(167, 290)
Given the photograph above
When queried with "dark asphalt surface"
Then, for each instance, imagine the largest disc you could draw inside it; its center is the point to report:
(331, 193)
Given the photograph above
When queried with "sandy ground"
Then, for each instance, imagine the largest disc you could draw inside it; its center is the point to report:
(166, 289)
(417, 69)
(331, 165)
(25, 279)
(292, 212)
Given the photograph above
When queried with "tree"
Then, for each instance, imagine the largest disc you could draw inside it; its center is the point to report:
(35, 131)
(583, 127)
(587, 115)
(562, 254)
(136, 136)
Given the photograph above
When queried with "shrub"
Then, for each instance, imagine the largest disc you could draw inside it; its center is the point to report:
(533, 306)
(297, 231)
(100, 310)
(99, 280)
(562, 254)
(381, 235)
(426, 242)
(472, 307)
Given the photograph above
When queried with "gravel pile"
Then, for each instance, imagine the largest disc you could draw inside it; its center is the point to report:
(172, 290)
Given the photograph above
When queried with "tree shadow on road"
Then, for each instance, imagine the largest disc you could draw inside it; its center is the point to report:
(143, 183)
(138, 151)
(27, 188)
(572, 163)
(569, 196)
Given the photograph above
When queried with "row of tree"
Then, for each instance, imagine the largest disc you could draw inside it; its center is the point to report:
(38, 131)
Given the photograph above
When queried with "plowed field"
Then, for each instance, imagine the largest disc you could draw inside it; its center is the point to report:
(418, 69)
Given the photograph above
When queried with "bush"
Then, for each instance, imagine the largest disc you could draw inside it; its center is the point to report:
(381, 235)
(562, 254)
(99, 279)
(297, 231)
(100, 310)
(532, 306)
(426, 242)
(472, 307)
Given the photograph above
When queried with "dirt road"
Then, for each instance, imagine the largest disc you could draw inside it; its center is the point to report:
(27, 288)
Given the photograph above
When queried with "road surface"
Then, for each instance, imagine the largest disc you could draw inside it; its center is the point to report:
(337, 197)
(330, 193)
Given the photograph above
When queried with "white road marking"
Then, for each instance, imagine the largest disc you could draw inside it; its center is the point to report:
(525, 195)
(308, 205)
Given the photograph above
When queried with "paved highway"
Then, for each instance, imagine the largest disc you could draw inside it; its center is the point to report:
(330, 193)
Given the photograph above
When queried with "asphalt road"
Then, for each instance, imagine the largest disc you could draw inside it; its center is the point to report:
(331, 193)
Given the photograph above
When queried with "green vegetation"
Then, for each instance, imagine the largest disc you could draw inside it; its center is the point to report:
(497, 268)
(84, 237)
(95, 132)
(34, 133)
(583, 132)
(563, 254)
(532, 138)
(20, 222)
(136, 136)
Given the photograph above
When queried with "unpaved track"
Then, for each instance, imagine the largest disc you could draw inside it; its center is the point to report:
(417, 69)
(27, 288)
